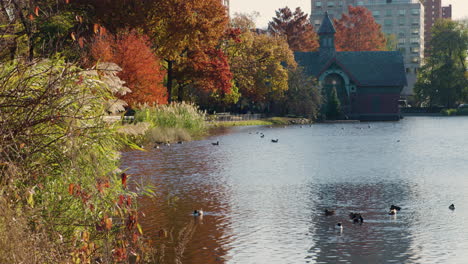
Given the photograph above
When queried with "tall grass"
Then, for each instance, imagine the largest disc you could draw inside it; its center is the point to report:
(173, 122)
(62, 197)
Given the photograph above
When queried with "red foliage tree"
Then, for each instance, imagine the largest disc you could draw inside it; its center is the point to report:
(358, 31)
(141, 69)
(296, 28)
(208, 71)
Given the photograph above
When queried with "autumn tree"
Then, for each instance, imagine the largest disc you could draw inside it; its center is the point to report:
(180, 29)
(260, 64)
(141, 69)
(358, 31)
(296, 28)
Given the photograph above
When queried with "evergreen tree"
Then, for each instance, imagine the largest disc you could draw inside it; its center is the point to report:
(333, 108)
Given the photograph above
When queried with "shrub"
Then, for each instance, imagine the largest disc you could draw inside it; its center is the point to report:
(462, 111)
(449, 112)
(58, 167)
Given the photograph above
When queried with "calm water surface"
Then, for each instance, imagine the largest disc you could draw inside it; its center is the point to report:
(264, 201)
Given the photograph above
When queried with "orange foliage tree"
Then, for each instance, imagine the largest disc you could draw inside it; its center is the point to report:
(358, 31)
(296, 28)
(141, 69)
(180, 29)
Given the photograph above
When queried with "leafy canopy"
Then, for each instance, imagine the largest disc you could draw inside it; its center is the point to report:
(358, 31)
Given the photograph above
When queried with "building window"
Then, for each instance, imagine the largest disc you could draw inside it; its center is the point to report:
(318, 4)
(415, 11)
(415, 70)
(402, 12)
(401, 34)
(376, 13)
(317, 22)
(415, 31)
(331, 4)
(415, 21)
(401, 21)
(401, 41)
(414, 59)
(360, 3)
(414, 41)
(414, 49)
(388, 12)
(407, 70)
(388, 22)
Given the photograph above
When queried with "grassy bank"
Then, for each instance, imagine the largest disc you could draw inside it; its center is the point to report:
(455, 112)
(262, 122)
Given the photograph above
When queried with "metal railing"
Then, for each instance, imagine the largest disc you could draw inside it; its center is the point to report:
(228, 117)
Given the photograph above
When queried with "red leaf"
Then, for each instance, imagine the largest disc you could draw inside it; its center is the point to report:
(71, 187)
(124, 177)
(36, 11)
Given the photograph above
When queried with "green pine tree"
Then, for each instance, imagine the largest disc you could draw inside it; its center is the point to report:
(333, 109)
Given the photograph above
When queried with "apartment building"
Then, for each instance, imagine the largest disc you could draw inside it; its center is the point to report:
(402, 18)
(226, 4)
(433, 10)
(447, 12)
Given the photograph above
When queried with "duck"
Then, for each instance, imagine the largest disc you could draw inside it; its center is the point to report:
(356, 217)
(393, 212)
(262, 136)
(275, 140)
(452, 207)
(198, 212)
(215, 143)
(329, 212)
(339, 227)
(398, 208)
(180, 142)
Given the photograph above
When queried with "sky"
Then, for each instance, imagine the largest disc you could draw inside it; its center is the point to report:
(267, 8)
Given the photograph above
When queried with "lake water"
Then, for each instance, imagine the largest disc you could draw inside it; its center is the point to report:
(264, 201)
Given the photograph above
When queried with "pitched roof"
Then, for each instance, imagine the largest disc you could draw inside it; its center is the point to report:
(327, 26)
(367, 68)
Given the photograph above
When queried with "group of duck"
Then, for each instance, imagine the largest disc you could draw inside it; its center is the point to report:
(263, 135)
(357, 217)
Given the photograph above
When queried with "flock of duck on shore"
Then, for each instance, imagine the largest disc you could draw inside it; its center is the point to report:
(357, 217)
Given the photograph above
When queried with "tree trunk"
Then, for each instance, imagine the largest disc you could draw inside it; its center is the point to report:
(170, 78)
(180, 93)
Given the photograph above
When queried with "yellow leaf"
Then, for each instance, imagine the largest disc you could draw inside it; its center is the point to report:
(140, 229)
(30, 199)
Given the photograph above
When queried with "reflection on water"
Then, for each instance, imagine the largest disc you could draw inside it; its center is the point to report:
(264, 201)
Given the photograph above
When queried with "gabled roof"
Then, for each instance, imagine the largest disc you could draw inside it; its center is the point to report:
(327, 26)
(367, 68)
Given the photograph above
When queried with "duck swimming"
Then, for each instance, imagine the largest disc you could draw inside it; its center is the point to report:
(452, 207)
(356, 217)
(198, 212)
(398, 208)
(215, 143)
(275, 140)
(339, 227)
(392, 212)
(329, 212)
